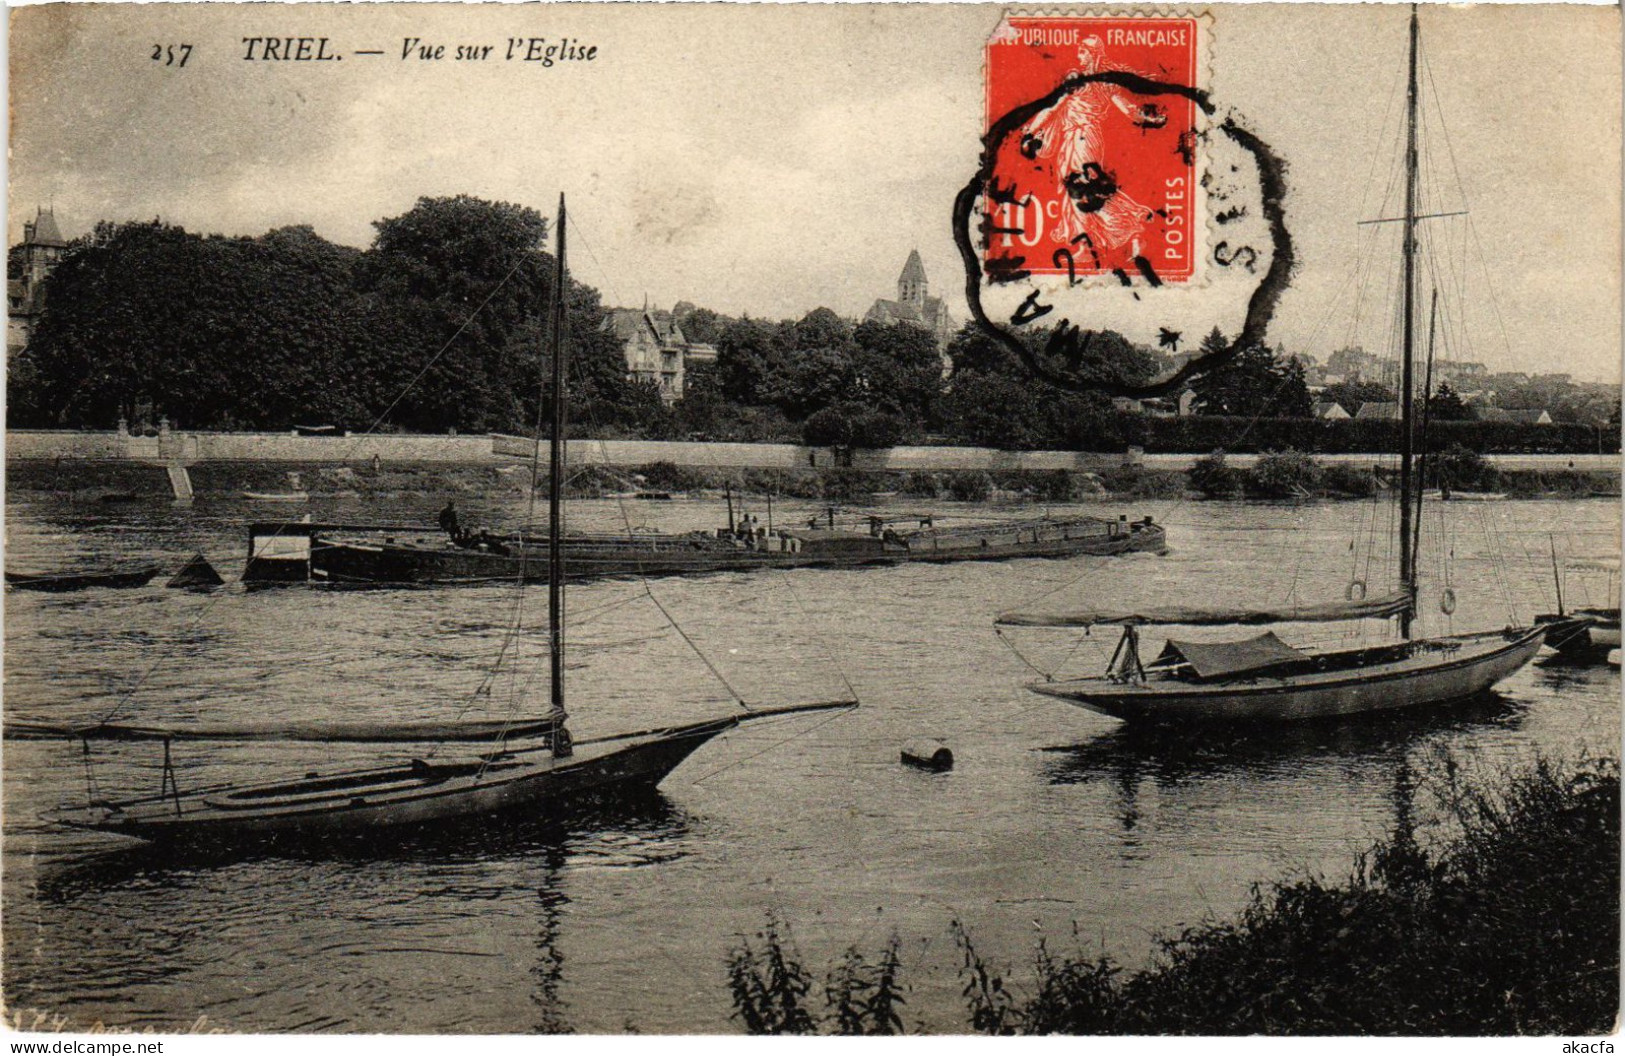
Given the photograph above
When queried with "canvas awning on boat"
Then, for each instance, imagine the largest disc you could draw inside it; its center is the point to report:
(1369, 609)
(354, 732)
(1219, 659)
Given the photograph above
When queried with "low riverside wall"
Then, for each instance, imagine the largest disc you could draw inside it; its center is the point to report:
(187, 447)
(190, 448)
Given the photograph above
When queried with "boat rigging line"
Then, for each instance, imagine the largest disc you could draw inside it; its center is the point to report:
(626, 521)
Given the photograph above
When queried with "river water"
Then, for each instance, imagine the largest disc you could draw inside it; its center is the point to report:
(1054, 822)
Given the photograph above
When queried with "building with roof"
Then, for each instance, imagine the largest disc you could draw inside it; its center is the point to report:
(1525, 416)
(42, 247)
(1330, 410)
(914, 304)
(657, 350)
(1379, 410)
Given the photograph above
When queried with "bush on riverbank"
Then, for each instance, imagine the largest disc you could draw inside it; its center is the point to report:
(1279, 475)
(1214, 477)
(1508, 924)
(1345, 481)
(1285, 474)
(1138, 482)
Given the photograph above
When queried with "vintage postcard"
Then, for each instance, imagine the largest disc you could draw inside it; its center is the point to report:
(813, 519)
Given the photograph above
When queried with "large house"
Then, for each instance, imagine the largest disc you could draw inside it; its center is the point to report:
(42, 247)
(657, 350)
(914, 304)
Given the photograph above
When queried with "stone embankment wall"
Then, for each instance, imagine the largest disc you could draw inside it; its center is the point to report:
(189, 448)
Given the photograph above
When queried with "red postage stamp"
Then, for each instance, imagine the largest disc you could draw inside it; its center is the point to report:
(1095, 165)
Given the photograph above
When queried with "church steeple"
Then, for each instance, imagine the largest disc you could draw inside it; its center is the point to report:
(43, 231)
(911, 285)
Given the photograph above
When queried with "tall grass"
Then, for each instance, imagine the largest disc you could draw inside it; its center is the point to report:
(770, 987)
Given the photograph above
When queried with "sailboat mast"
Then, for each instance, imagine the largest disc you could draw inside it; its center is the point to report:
(555, 502)
(1407, 555)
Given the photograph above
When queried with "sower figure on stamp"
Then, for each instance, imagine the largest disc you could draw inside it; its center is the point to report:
(1072, 132)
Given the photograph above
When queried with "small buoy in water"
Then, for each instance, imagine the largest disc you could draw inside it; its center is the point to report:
(196, 573)
(928, 753)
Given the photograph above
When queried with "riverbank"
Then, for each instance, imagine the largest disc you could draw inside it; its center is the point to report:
(199, 448)
(1507, 925)
(113, 480)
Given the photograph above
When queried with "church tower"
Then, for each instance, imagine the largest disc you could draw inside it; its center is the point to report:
(42, 246)
(911, 285)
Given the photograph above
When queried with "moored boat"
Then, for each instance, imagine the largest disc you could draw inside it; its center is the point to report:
(1588, 631)
(1265, 680)
(340, 554)
(1262, 679)
(61, 582)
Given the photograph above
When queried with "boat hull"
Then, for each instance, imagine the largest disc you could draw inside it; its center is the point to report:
(335, 560)
(1436, 671)
(1582, 631)
(66, 581)
(408, 797)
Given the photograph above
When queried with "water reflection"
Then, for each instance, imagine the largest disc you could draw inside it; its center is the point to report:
(1180, 760)
(646, 820)
(470, 912)
(548, 971)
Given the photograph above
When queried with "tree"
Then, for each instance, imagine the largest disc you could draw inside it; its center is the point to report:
(1446, 405)
(819, 328)
(458, 276)
(1292, 399)
(1254, 383)
(897, 369)
(702, 325)
(996, 410)
(817, 378)
(973, 350)
(750, 362)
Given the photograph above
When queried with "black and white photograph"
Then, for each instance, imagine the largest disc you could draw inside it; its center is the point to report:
(813, 519)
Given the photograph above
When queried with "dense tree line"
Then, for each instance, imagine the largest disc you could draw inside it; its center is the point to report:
(434, 326)
(437, 326)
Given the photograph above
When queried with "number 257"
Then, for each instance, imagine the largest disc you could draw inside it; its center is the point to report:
(171, 54)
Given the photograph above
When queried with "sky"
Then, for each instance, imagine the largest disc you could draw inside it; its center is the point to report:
(772, 159)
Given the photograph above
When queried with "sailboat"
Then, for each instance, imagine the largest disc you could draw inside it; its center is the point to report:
(1262, 678)
(524, 766)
